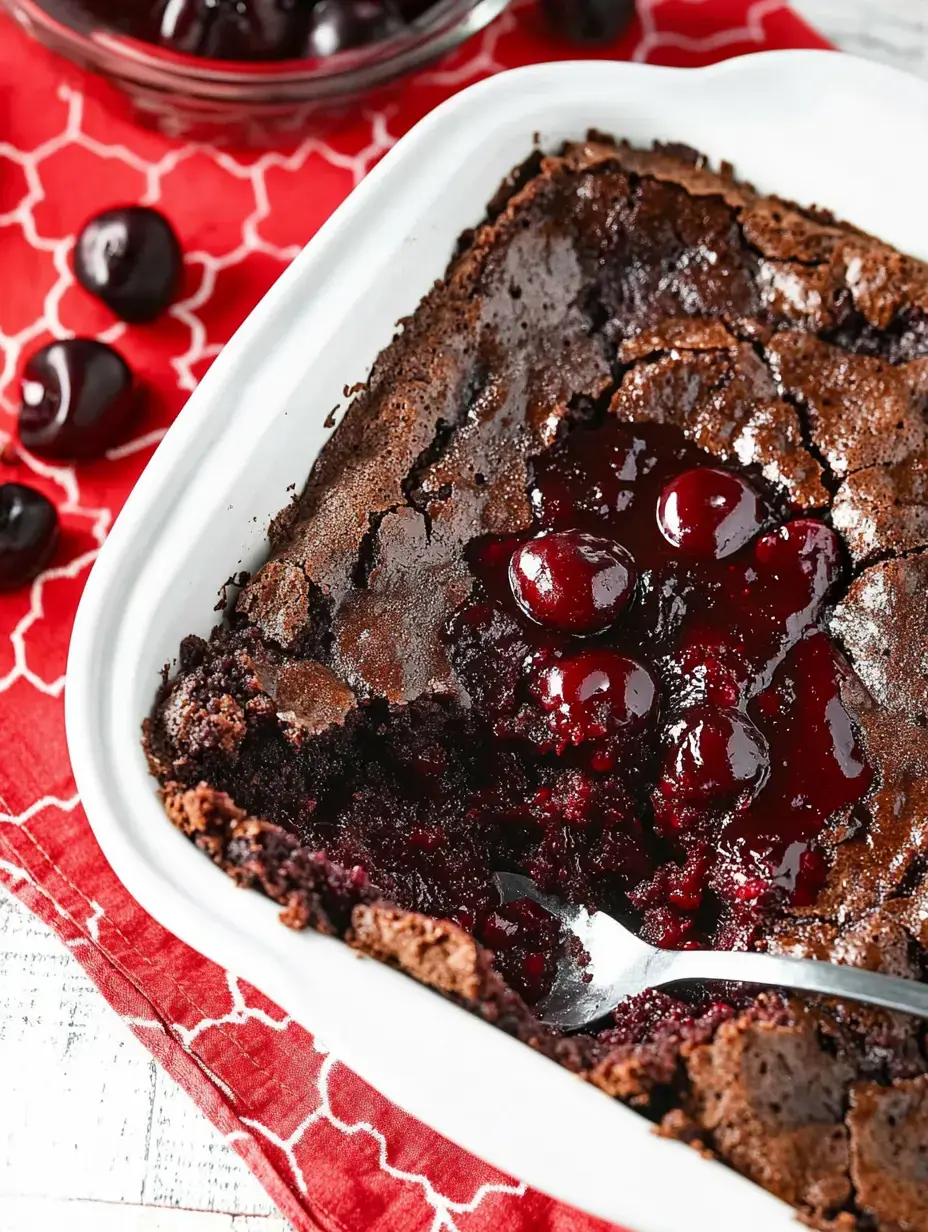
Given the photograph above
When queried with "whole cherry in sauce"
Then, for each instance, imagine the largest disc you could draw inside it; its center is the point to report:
(130, 259)
(714, 755)
(28, 534)
(709, 513)
(572, 581)
(589, 21)
(805, 556)
(232, 29)
(596, 693)
(77, 397)
(336, 25)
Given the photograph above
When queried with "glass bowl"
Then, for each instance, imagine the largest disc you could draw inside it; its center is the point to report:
(257, 101)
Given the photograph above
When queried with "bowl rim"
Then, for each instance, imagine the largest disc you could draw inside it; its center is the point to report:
(200, 905)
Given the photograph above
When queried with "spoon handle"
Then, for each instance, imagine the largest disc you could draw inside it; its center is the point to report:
(803, 974)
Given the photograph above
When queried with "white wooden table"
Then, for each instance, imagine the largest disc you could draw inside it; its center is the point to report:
(94, 1137)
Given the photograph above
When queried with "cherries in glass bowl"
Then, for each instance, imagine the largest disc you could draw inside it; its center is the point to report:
(261, 30)
(249, 71)
(243, 30)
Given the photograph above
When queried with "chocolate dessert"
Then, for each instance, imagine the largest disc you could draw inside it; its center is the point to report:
(614, 575)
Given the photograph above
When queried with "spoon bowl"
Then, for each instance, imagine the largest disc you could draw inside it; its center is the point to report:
(611, 963)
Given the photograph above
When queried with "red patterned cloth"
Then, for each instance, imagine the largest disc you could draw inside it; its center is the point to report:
(331, 1152)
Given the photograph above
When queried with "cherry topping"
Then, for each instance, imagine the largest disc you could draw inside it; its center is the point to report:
(596, 693)
(590, 21)
(77, 396)
(336, 25)
(715, 755)
(129, 258)
(709, 513)
(804, 552)
(572, 581)
(666, 927)
(28, 533)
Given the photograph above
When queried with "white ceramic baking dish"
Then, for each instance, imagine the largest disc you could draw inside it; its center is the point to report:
(813, 126)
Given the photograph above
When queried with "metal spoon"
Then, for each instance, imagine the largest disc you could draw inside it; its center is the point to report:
(621, 965)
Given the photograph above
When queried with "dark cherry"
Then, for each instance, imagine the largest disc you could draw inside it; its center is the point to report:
(715, 755)
(131, 259)
(28, 534)
(805, 554)
(232, 29)
(596, 693)
(182, 25)
(709, 513)
(337, 25)
(572, 581)
(590, 21)
(77, 397)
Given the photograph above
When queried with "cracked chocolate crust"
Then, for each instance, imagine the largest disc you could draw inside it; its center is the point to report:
(640, 284)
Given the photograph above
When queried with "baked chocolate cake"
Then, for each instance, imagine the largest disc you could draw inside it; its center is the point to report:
(614, 574)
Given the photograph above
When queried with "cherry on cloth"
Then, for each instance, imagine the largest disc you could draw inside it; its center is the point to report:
(77, 397)
(130, 259)
(28, 534)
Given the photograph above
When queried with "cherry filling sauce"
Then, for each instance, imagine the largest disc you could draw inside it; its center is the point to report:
(658, 637)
